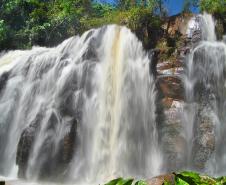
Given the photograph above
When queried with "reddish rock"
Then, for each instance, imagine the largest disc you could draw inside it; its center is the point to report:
(177, 23)
(171, 87)
(159, 180)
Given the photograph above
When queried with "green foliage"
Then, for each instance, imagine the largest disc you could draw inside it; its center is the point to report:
(101, 10)
(48, 22)
(3, 31)
(42, 22)
(216, 6)
(121, 181)
(186, 178)
(221, 180)
(5, 34)
(151, 4)
(24, 23)
(192, 178)
(182, 178)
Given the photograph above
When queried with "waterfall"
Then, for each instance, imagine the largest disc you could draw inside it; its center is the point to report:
(85, 108)
(205, 110)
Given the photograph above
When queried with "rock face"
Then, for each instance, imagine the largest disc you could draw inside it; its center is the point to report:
(170, 71)
(178, 110)
(24, 147)
(159, 180)
(204, 143)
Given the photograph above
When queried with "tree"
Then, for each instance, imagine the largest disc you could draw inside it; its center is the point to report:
(216, 6)
(126, 4)
(159, 7)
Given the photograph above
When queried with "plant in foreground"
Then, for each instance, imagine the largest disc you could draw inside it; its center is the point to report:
(182, 178)
(121, 181)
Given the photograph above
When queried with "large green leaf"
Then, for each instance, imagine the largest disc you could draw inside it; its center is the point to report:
(179, 181)
(187, 178)
(125, 182)
(193, 178)
(114, 182)
(120, 181)
(193, 175)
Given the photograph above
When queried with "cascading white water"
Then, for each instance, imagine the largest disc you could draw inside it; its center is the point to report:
(99, 83)
(122, 128)
(205, 113)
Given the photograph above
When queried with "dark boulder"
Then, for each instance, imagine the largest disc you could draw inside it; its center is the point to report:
(54, 161)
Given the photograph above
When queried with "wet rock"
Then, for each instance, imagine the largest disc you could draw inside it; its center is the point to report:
(53, 163)
(170, 72)
(171, 87)
(169, 82)
(3, 80)
(24, 148)
(173, 143)
(204, 138)
(208, 98)
(58, 158)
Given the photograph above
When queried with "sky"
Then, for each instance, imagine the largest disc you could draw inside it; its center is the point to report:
(173, 6)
